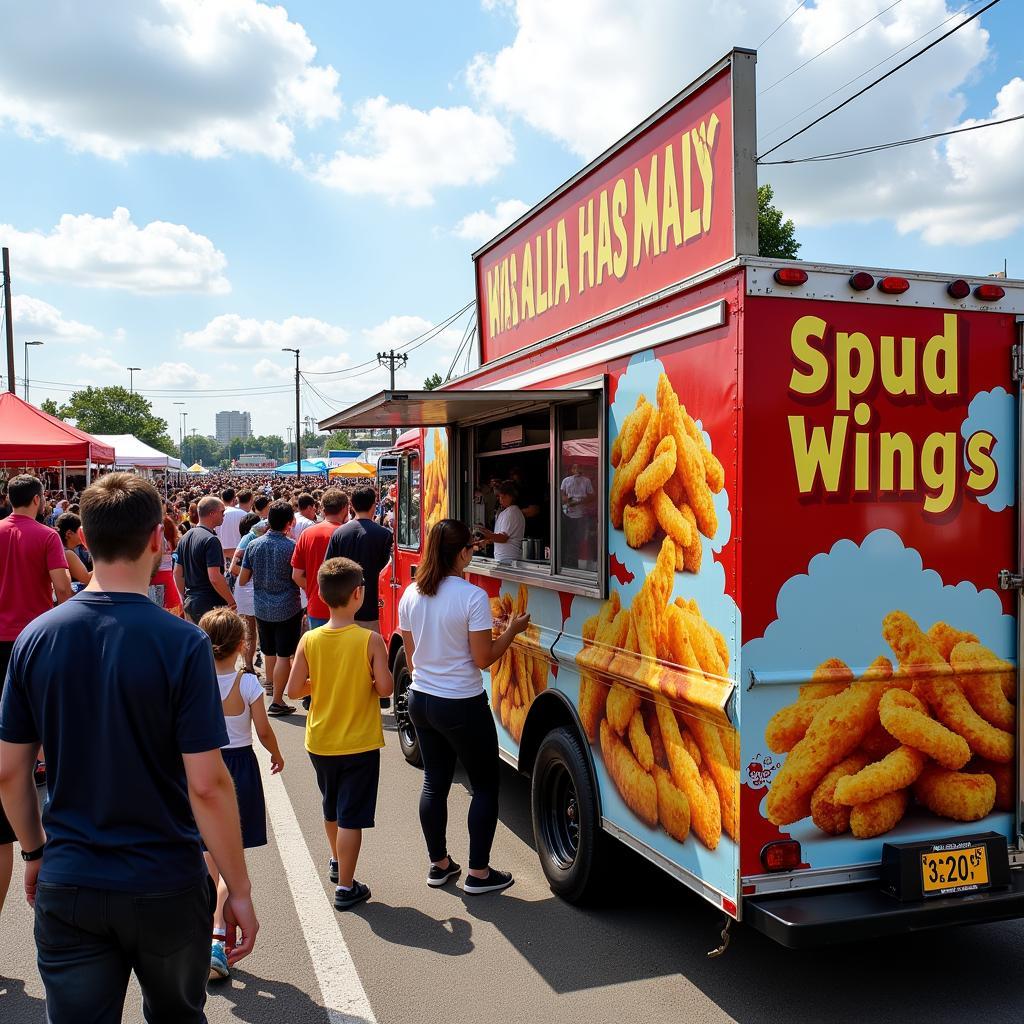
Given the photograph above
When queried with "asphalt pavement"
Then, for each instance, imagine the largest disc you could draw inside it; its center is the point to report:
(423, 955)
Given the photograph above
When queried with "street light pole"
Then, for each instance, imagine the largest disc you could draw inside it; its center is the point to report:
(298, 414)
(193, 443)
(181, 439)
(132, 370)
(28, 345)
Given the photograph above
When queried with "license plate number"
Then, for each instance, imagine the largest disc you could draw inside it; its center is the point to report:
(955, 871)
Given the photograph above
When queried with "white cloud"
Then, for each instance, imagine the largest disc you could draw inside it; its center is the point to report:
(100, 362)
(405, 155)
(481, 225)
(231, 332)
(114, 252)
(397, 331)
(174, 375)
(203, 77)
(588, 88)
(38, 320)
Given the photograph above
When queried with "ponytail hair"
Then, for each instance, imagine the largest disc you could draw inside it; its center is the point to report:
(445, 542)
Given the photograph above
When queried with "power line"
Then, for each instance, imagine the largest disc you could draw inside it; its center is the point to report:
(882, 78)
(781, 23)
(867, 71)
(829, 47)
(844, 154)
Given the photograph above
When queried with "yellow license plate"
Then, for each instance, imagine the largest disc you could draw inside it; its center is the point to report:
(953, 871)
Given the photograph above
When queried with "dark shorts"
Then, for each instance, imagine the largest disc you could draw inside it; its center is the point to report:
(252, 808)
(348, 784)
(6, 646)
(197, 605)
(279, 639)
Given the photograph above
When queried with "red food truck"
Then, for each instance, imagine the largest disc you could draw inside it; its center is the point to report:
(772, 546)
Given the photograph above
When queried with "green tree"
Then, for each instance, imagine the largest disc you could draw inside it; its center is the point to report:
(116, 410)
(199, 448)
(776, 238)
(51, 407)
(433, 381)
(271, 445)
(338, 441)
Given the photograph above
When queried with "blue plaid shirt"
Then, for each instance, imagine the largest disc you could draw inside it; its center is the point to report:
(269, 559)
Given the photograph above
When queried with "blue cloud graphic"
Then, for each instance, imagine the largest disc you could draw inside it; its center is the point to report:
(996, 412)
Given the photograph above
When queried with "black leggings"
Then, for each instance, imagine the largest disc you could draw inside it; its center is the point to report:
(448, 730)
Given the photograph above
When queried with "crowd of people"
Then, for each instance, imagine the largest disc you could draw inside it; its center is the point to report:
(133, 628)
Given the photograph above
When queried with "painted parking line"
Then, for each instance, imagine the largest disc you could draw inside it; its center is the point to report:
(344, 997)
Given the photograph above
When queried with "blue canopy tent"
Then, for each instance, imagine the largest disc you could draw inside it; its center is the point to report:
(308, 467)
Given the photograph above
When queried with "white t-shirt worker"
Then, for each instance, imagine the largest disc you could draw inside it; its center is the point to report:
(576, 492)
(509, 527)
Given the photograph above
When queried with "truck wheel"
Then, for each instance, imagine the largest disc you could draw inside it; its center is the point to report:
(566, 820)
(406, 730)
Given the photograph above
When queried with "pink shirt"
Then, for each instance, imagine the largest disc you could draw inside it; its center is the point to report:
(28, 551)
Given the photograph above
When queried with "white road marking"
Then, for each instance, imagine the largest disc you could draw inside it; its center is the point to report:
(344, 997)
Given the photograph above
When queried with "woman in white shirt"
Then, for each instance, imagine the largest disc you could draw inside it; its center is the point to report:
(510, 526)
(446, 627)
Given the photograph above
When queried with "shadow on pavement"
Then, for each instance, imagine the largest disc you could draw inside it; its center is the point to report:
(16, 1005)
(407, 926)
(265, 1001)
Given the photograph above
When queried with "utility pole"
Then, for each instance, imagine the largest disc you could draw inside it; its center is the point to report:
(132, 370)
(181, 431)
(28, 345)
(193, 444)
(298, 415)
(391, 360)
(8, 319)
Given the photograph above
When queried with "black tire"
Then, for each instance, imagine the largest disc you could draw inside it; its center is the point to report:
(406, 730)
(566, 817)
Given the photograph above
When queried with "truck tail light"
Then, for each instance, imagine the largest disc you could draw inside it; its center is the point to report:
(781, 855)
(989, 292)
(958, 289)
(893, 285)
(861, 281)
(790, 276)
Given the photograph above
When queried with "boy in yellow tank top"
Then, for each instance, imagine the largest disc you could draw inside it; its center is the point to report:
(344, 670)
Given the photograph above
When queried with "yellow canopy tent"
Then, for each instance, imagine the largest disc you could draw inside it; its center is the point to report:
(197, 469)
(355, 468)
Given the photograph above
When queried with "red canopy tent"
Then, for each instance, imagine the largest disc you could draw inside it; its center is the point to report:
(31, 437)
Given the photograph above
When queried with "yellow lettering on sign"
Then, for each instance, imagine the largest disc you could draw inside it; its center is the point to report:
(586, 236)
(938, 471)
(849, 382)
(691, 214)
(506, 296)
(513, 290)
(820, 455)
(526, 291)
(942, 348)
(604, 238)
(493, 302)
(816, 377)
(543, 299)
(983, 473)
(902, 381)
(891, 446)
(670, 203)
(562, 268)
(704, 139)
(645, 215)
(619, 203)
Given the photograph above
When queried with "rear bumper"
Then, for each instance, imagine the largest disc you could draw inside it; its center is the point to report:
(821, 917)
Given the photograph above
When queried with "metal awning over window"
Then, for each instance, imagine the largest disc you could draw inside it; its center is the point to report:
(440, 408)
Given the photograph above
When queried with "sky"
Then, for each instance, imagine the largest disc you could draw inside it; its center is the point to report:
(190, 186)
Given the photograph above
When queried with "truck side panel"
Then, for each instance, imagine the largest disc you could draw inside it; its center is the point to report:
(880, 489)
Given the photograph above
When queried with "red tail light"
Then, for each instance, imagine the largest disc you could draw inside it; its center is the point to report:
(782, 855)
(893, 285)
(790, 275)
(958, 289)
(989, 291)
(861, 281)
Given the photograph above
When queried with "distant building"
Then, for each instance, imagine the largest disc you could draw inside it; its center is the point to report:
(233, 424)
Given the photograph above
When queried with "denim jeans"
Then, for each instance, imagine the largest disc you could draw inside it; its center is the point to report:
(88, 941)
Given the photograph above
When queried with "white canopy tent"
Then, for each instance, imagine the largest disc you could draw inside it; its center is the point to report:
(131, 453)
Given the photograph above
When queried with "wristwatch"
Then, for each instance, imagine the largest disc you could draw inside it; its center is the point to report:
(30, 855)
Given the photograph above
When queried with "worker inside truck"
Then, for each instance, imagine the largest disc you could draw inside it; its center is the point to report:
(551, 456)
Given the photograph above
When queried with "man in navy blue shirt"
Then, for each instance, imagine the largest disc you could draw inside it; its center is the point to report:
(125, 701)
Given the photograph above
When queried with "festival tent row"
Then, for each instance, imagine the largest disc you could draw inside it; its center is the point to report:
(131, 453)
(32, 439)
(353, 470)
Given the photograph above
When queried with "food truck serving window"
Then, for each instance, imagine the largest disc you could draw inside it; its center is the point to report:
(533, 478)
